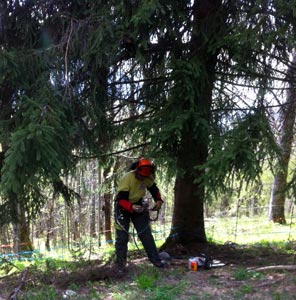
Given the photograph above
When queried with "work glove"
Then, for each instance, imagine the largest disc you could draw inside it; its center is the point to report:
(157, 205)
(137, 208)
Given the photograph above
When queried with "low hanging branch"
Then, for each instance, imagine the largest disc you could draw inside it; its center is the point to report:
(16, 290)
(113, 153)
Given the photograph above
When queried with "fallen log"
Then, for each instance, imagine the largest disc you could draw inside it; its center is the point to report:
(270, 282)
(16, 290)
(277, 267)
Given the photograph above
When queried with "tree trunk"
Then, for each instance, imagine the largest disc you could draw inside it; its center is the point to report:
(188, 217)
(21, 232)
(277, 199)
(99, 208)
(255, 207)
(107, 206)
(93, 185)
(15, 230)
(278, 193)
(93, 232)
(225, 205)
(76, 232)
(25, 243)
(49, 223)
(107, 212)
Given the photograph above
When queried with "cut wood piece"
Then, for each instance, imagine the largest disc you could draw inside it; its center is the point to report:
(16, 290)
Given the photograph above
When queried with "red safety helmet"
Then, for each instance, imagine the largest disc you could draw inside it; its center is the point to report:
(145, 167)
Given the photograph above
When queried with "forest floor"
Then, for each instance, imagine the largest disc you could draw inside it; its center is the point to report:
(250, 272)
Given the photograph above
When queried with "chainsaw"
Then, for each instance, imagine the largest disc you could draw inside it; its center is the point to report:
(202, 261)
(150, 209)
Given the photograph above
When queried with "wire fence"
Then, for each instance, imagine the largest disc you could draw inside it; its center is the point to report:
(235, 227)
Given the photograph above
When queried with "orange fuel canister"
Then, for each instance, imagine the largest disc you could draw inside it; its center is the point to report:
(193, 265)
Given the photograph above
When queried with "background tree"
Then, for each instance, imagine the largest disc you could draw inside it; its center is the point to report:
(40, 120)
(280, 186)
(188, 109)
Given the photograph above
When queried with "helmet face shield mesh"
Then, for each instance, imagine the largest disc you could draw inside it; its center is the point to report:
(145, 171)
(145, 168)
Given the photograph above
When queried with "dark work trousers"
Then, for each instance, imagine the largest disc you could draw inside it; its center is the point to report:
(142, 225)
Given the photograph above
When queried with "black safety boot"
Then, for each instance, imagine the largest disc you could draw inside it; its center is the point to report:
(159, 264)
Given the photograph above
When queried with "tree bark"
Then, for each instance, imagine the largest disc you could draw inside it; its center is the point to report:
(107, 206)
(188, 216)
(278, 193)
(25, 243)
(49, 223)
(93, 185)
(107, 212)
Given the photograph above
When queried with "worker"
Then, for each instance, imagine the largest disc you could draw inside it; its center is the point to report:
(129, 207)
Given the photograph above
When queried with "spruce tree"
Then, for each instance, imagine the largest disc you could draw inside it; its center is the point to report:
(84, 78)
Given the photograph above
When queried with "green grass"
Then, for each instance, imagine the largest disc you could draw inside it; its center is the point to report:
(166, 292)
(249, 230)
(149, 283)
(242, 230)
(44, 293)
(146, 281)
(242, 274)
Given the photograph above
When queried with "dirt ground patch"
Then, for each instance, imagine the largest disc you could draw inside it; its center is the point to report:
(249, 273)
(239, 278)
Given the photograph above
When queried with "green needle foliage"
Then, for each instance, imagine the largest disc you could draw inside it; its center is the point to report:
(241, 153)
